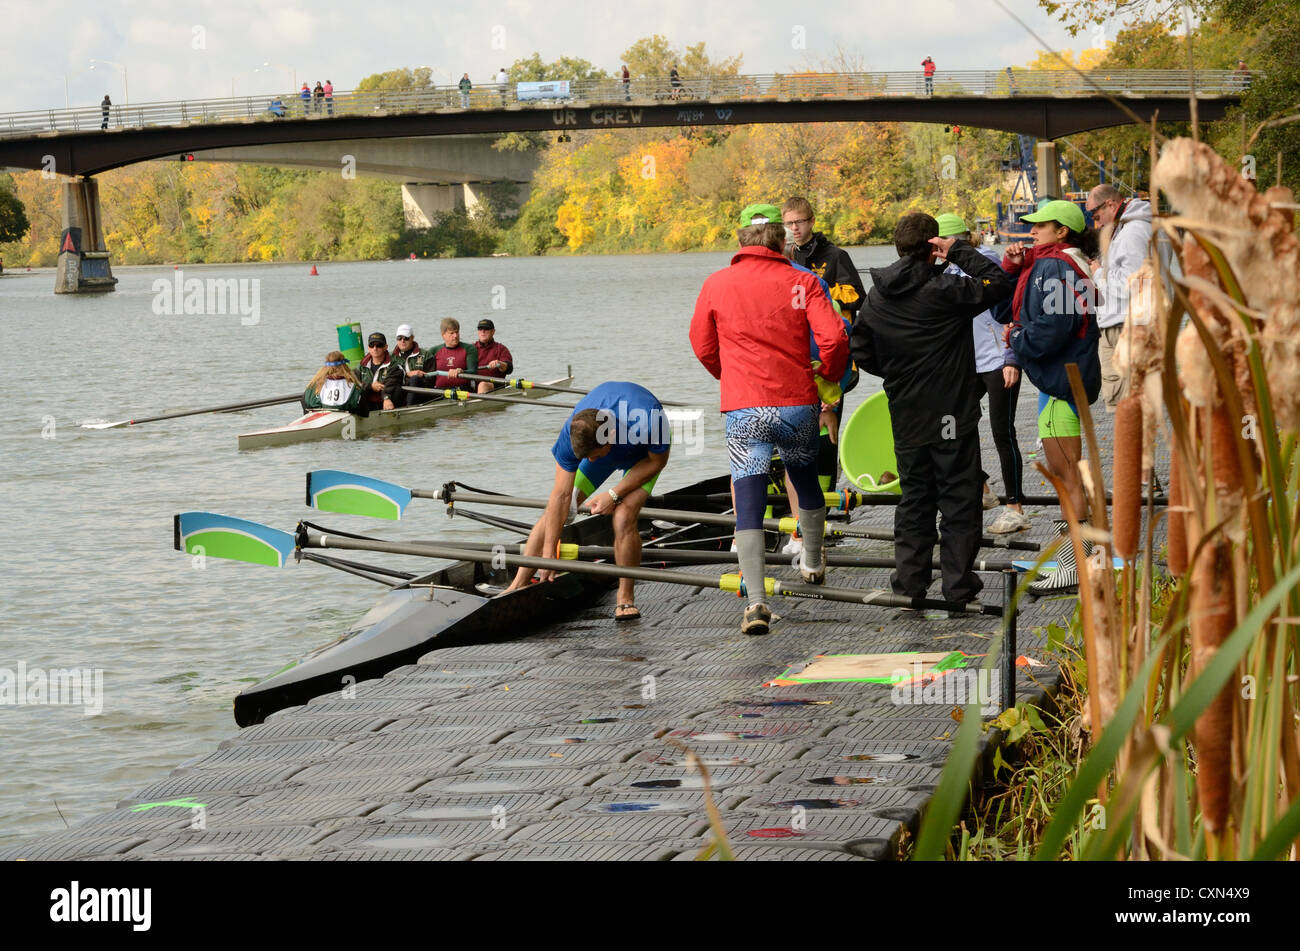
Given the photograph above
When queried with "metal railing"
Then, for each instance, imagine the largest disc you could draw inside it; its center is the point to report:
(638, 92)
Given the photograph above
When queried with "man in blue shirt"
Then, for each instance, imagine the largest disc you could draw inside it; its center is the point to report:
(615, 426)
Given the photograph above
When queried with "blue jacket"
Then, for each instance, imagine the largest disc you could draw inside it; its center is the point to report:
(1055, 328)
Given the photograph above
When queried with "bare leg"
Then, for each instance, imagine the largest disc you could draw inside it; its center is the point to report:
(627, 540)
(485, 387)
(1063, 454)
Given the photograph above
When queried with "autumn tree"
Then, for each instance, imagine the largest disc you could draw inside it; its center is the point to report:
(419, 78)
(13, 216)
(653, 57)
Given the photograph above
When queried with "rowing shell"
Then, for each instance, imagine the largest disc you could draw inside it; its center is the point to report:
(456, 605)
(332, 424)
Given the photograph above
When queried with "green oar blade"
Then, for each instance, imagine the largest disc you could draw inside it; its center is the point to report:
(332, 490)
(222, 536)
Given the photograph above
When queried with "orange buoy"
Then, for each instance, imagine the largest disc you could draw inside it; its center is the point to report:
(313, 271)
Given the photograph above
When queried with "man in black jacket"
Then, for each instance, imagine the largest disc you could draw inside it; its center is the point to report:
(811, 249)
(914, 331)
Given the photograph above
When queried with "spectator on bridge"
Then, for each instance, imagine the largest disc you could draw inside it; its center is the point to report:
(305, 96)
(675, 81)
(502, 79)
(1243, 74)
(318, 94)
(104, 107)
(1129, 225)
(465, 86)
(928, 65)
(329, 98)
(627, 84)
(277, 108)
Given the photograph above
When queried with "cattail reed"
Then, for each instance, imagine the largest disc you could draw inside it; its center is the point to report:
(1212, 617)
(1127, 508)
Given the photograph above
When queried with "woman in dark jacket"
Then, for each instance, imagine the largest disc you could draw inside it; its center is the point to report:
(1053, 324)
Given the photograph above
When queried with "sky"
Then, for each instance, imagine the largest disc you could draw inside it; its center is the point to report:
(181, 49)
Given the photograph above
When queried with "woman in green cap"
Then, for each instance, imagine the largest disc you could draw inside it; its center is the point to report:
(1053, 324)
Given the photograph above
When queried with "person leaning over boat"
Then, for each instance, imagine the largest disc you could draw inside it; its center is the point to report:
(615, 426)
(494, 357)
(914, 331)
(380, 377)
(451, 358)
(411, 359)
(750, 330)
(1053, 324)
(335, 387)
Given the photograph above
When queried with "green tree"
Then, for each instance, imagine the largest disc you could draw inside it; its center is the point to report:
(532, 69)
(13, 216)
(419, 78)
(653, 57)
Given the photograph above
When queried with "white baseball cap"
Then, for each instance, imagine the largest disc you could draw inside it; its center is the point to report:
(404, 331)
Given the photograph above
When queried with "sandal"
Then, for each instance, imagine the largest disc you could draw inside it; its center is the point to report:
(627, 612)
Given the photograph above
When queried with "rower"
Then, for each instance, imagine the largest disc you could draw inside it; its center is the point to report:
(377, 376)
(494, 358)
(451, 358)
(335, 387)
(411, 360)
(615, 426)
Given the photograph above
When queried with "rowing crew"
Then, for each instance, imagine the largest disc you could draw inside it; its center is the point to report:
(378, 382)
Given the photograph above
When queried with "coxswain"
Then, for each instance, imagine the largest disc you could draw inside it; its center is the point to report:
(494, 358)
(615, 426)
(451, 358)
(335, 387)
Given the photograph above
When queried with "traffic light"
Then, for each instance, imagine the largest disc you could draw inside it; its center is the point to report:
(186, 157)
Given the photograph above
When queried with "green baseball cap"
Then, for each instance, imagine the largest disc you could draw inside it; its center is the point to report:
(950, 224)
(1062, 212)
(760, 214)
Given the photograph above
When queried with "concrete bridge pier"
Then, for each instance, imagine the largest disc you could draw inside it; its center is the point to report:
(422, 202)
(83, 259)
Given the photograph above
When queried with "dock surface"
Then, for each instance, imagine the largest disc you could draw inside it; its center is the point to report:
(567, 742)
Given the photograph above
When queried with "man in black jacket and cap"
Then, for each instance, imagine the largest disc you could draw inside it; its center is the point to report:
(914, 331)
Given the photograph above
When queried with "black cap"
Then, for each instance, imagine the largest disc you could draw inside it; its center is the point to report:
(378, 338)
(486, 324)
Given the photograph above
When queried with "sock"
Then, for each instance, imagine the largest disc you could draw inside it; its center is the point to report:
(812, 529)
(749, 552)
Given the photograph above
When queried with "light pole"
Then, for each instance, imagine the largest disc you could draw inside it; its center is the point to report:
(126, 90)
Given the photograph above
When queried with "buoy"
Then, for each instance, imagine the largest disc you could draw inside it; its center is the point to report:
(176, 267)
(313, 271)
(412, 255)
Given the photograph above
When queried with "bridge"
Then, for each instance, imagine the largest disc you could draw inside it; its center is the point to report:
(1048, 104)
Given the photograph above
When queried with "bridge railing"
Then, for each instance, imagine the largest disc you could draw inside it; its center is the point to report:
(613, 92)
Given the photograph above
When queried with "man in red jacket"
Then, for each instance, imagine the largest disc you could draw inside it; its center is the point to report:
(750, 330)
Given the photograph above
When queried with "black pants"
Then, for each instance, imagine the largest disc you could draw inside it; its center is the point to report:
(942, 477)
(1002, 420)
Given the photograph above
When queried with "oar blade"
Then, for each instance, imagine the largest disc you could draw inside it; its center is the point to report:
(332, 490)
(120, 422)
(223, 536)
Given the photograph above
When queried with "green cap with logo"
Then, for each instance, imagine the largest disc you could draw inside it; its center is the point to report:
(1062, 212)
(950, 224)
(760, 215)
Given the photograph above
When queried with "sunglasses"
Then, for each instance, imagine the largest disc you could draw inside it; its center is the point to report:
(379, 345)
(400, 337)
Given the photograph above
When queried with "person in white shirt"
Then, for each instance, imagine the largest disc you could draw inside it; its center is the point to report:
(1129, 225)
(502, 80)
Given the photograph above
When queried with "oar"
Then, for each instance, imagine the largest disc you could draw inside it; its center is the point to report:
(466, 396)
(229, 408)
(220, 536)
(651, 553)
(520, 384)
(331, 490)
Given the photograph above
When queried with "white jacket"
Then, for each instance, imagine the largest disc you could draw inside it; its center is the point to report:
(1127, 251)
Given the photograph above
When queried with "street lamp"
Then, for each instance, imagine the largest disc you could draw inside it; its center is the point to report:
(126, 91)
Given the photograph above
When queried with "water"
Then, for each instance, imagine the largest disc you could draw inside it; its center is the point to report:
(89, 575)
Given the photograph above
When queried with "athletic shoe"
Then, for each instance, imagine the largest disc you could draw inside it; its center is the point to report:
(1008, 521)
(794, 546)
(812, 574)
(757, 619)
(991, 500)
(1065, 577)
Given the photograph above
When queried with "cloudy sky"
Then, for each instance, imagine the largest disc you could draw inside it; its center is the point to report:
(177, 49)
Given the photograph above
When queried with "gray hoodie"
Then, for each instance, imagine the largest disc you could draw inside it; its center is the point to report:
(1127, 251)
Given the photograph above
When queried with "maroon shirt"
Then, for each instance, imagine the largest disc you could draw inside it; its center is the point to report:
(447, 358)
(494, 351)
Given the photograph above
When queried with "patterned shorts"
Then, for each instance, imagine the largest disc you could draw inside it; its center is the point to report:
(754, 432)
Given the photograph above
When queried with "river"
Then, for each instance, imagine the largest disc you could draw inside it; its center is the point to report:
(89, 575)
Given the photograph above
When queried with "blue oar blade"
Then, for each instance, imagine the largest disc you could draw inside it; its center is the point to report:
(1117, 563)
(331, 490)
(221, 536)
